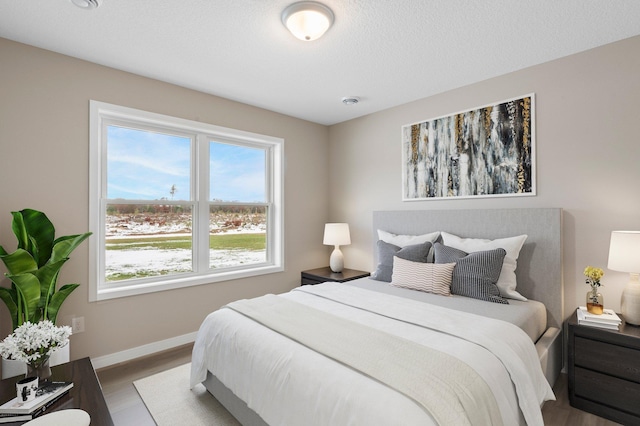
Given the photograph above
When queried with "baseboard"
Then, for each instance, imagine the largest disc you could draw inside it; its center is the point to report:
(144, 350)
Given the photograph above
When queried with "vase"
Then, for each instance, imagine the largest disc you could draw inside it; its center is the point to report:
(60, 355)
(630, 302)
(13, 368)
(39, 369)
(595, 302)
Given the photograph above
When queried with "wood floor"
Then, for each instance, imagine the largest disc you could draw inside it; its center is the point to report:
(125, 405)
(127, 409)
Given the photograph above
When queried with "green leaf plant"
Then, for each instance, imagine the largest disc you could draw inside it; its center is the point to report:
(34, 266)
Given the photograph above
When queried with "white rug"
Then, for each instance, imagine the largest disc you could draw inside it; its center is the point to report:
(171, 402)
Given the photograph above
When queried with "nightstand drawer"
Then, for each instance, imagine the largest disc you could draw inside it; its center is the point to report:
(310, 281)
(607, 390)
(607, 358)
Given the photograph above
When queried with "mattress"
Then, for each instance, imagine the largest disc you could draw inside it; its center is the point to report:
(530, 316)
(286, 383)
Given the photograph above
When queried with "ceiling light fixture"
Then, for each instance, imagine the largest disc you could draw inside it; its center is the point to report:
(86, 4)
(350, 100)
(307, 20)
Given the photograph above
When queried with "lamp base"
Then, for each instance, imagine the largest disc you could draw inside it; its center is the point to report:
(336, 261)
(630, 302)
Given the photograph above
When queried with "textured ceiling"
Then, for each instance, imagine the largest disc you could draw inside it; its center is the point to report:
(387, 52)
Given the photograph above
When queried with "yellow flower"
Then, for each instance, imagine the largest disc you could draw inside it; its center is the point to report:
(593, 275)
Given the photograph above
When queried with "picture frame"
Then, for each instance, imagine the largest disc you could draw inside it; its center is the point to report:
(487, 151)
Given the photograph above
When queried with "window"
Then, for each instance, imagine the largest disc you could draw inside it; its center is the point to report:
(175, 203)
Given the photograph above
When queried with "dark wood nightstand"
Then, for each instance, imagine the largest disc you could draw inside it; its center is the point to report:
(321, 275)
(604, 371)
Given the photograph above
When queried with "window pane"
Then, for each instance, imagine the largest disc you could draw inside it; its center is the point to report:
(147, 240)
(237, 235)
(237, 173)
(144, 165)
(176, 203)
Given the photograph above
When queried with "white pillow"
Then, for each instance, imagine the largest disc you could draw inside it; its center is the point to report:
(406, 240)
(507, 281)
(428, 277)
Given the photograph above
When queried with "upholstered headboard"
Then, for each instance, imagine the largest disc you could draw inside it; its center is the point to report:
(539, 271)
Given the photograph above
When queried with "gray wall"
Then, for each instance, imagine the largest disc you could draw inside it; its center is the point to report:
(44, 148)
(587, 118)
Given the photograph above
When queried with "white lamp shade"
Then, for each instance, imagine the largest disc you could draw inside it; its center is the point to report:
(336, 234)
(307, 20)
(624, 251)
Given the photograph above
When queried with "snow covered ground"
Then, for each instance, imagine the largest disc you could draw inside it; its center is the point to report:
(155, 262)
(146, 261)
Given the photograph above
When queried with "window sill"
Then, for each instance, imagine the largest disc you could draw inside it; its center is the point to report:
(172, 284)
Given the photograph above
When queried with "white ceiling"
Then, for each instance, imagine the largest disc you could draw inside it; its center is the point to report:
(387, 52)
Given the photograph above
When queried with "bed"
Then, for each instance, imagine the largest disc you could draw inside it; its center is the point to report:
(364, 352)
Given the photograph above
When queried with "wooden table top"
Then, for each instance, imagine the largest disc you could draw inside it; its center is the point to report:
(86, 393)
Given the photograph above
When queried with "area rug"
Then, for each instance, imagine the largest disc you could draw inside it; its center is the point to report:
(171, 402)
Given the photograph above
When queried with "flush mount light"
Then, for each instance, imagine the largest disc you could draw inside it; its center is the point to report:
(86, 4)
(350, 100)
(307, 20)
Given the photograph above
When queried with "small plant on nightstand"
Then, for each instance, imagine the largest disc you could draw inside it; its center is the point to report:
(595, 301)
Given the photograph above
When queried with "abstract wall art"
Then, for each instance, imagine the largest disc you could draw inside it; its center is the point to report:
(483, 152)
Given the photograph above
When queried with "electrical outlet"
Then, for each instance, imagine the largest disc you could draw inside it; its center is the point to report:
(77, 325)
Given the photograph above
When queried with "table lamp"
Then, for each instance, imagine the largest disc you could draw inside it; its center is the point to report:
(624, 255)
(336, 234)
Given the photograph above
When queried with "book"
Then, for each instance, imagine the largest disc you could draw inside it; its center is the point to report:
(10, 418)
(46, 395)
(608, 316)
(599, 325)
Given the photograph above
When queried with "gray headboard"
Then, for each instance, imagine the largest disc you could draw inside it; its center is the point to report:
(539, 272)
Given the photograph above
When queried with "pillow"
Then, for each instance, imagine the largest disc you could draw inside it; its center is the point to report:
(475, 274)
(406, 240)
(507, 281)
(386, 251)
(427, 277)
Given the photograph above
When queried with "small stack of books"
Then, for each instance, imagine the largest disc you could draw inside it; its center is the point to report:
(46, 396)
(608, 319)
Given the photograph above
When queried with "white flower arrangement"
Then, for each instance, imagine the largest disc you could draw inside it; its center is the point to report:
(33, 343)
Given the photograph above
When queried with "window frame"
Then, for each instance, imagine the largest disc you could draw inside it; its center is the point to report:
(103, 114)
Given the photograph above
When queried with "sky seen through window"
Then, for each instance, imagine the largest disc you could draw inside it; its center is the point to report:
(145, 165)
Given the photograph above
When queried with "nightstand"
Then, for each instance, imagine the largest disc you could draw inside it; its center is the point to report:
(604, 371)
(321, 275)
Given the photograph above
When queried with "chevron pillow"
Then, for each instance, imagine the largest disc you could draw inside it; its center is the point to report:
(427, 277)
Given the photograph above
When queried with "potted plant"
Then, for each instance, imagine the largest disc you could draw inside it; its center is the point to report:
(33, 268)
(33, 344)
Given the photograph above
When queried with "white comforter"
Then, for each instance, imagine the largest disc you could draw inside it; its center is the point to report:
(288, 384)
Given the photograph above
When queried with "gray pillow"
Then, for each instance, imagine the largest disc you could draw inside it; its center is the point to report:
(475, 274)
(386, 251)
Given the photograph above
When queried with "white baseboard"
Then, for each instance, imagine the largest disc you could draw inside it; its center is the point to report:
(144, 350)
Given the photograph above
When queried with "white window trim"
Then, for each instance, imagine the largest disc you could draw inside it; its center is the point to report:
(100, 111)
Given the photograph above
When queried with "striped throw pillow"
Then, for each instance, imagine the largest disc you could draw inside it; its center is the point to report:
(427, 277)
(507, 282)
(475, 274)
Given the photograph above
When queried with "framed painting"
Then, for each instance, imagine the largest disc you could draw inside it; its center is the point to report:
(487, 151)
